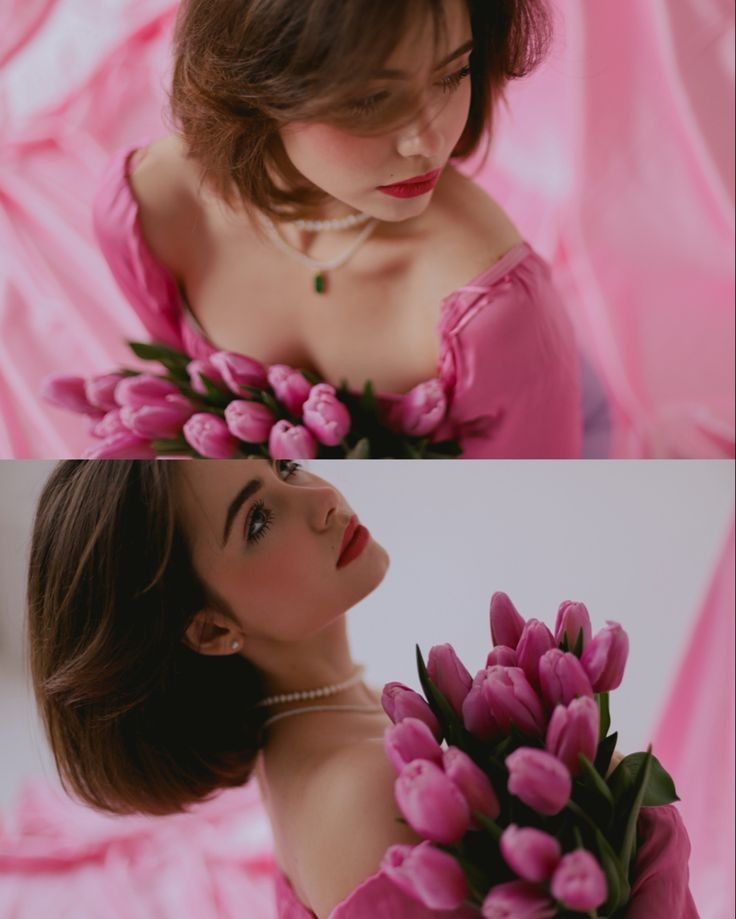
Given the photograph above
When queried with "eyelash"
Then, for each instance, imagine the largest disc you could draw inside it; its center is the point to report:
(285, 469)
(449, 84)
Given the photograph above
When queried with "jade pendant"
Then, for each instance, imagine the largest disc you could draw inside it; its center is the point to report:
(320, 283)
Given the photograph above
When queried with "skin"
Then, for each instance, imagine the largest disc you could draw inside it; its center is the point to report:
(379, 318)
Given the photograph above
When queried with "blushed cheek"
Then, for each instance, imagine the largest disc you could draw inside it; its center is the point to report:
(325, 154)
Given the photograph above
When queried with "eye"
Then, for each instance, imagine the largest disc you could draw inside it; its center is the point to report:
(369, 104)
(451, 82)
(258, 523)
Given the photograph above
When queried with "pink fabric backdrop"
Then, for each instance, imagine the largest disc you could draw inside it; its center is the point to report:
(695, 741)
(615, 159)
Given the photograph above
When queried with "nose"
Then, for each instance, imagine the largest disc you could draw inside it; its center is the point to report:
(323, 503)
(423, 135)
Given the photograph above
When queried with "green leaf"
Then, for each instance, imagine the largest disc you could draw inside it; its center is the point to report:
(490, 826)
(660, 788)
(361, 451)
(593, 780)
(370, 403)
(641, 780)
(606, 749)
(310, 377)
(605, 713)
(213, 391)
(173, 447)
(616, 880)
(149, 351)
(453, 729)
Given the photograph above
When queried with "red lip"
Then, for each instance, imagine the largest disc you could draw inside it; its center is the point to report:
(419, 185)
(354, 541)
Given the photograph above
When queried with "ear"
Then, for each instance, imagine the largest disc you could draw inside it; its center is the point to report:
(211, 632)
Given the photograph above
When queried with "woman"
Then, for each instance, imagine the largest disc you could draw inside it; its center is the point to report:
(167, 600)
(307, 212)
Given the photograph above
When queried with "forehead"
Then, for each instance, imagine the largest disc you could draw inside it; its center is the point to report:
(428, 39)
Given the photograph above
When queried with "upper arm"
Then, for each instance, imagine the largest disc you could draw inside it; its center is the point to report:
(348, 822)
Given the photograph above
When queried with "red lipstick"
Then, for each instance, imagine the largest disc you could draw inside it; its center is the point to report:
(354, 541)
(413, 188)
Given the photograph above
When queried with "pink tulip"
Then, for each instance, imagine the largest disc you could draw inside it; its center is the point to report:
(472, 781)
(449, 675)
(517, 900)
(100, 390)
(501, 656)
(512, 700)
(531, 853)
(605, 657)
(571, 618)
(539, 779)
(110, 424)
(291, 441)
(400, 702)
(144, 389)
(69, 392)
(325, 416)
(506, 623)
(121, 446)
(536, 639)
(291, 387)
(431, 803)
(579, 882)
(422, 409)
(477, 716)
(426, 874)
(574, 730)
(159, 420)
(239, 371)
(562, 678)
(408, 740)
(209, 436)
(249, 421)
(199, 368)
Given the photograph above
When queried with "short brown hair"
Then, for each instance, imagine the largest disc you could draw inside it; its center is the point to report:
(136, 720)
(245, 68)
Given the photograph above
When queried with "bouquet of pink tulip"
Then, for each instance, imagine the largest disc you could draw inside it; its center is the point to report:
(232, 406)
(521, 813)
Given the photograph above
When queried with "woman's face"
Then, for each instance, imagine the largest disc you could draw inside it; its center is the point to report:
(356, 169)
(267, 538)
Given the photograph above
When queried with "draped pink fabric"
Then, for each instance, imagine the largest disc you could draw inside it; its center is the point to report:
(695, 742)
(615, 160)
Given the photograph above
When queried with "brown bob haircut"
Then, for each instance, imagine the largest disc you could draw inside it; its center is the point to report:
(137, 721)
(243, 69)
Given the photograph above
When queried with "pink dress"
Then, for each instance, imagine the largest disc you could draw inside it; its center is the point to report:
(516, 385)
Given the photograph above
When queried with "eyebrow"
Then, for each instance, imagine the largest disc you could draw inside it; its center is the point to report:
(246, 492)
(401, 74)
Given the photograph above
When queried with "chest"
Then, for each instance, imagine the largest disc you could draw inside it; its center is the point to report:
(377, 319)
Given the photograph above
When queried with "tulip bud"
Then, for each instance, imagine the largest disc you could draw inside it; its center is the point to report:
(201, 368)
(159, 420)
(574, 730)
(517, 899)
(512, 700)
(501, 656)
(506, 623)
(426, 874)
(209, 436)
(605, 657)
(110, 424)
(144, 389)
(249, 421)
(449, 675)
(472, 782)
(432, 804)
(531, 853)
(400, 702)
(408, 740)
(291, 441)
(100, 390)
(539, 779)
(123, 445)
(536, 639)
(571, 619)
(69, 392)
(562, 678)
(325, 416)
(239, 372)
(579, 882)
(422, 409)
(291, 387)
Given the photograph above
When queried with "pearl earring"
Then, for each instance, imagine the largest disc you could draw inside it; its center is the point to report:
(235, 645)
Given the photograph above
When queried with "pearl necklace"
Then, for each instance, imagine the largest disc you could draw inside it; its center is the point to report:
(321, 708)
(312, 693)
(339, 223)
(319, 280)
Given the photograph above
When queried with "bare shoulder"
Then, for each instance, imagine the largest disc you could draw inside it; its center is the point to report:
(348, 820)
(163, 182)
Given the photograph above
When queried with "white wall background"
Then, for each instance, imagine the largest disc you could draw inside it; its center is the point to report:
(635, 541)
